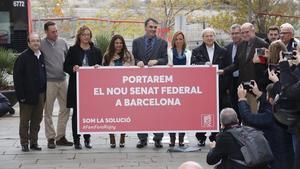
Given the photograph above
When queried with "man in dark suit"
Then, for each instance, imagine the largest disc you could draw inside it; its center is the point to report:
(30, 84)
(243, 62)
(150, 50)
(210, 53)
(236, 36)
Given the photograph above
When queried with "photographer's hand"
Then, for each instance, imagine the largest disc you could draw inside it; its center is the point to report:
(297, 60)
(272, 76)
(255, 89)
(241, 93)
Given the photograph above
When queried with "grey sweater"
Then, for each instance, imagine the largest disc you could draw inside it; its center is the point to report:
(54, 59)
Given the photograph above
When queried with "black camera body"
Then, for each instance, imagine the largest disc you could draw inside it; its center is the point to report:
(275, 68)
(247, 85)
(289, 55)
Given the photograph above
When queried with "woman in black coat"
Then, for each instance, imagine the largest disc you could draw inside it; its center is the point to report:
(83, 53)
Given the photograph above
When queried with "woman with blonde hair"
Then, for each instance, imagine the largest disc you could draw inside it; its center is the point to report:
(274, 51)
(178, 54)
(82, 54)
(117, 54)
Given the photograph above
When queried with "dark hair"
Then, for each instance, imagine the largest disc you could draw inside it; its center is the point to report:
(30, 34)
(110, 51)
(271, 91)
(80, 32)
(150, 19)
(47, 24)
(273, 28)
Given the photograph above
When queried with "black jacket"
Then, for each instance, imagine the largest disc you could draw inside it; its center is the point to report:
(226, 147)
(159, 51)
(26, 77)
(249, 70)
(220, 58)
(74, 57)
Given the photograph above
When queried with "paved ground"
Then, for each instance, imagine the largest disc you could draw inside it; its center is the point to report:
(100, 157)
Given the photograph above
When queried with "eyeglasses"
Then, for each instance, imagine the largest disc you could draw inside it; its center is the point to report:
(35, 40)
(244, 32)
(284, 33)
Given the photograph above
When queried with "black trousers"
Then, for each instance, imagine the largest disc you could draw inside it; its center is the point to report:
(233, 94)
(173, 137)
(144, 136)
(76, 136)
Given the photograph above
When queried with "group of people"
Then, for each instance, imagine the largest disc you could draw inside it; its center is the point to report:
(40, 79)
(265, 69)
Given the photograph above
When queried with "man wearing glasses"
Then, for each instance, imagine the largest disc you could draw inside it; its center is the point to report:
(30, 84)
(287, 33)
(244, 61)
(236, 36)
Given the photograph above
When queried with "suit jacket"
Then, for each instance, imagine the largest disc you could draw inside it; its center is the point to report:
(229, 50)
(249, 70)
(159, 51)
(74, 58)
(220, 58)
(26, 77)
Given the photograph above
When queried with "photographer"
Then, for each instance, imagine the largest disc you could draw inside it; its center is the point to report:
(279, 139)
(287, 106)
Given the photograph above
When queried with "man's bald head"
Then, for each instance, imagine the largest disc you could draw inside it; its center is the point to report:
(190, 165)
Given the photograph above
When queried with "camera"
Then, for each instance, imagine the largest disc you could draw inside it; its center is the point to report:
(294, 45)
(260, 51)
(247, 85)
(274, 67)
(289, 55)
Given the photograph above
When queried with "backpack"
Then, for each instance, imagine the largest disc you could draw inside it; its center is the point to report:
(254, 146)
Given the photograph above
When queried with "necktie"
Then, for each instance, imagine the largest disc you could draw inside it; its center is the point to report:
(148, 48)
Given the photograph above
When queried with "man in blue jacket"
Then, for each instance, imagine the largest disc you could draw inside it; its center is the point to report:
(279, 139)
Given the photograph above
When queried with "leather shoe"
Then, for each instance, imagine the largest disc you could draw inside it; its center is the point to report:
(141, 144)
(181, 144)
(112, 145)
(35, 147)
(87, 144)
(77, 146)
(25, 148)
(63, 142)
(158, 144)
(172, 145)
(51, 144)
(201, 143)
